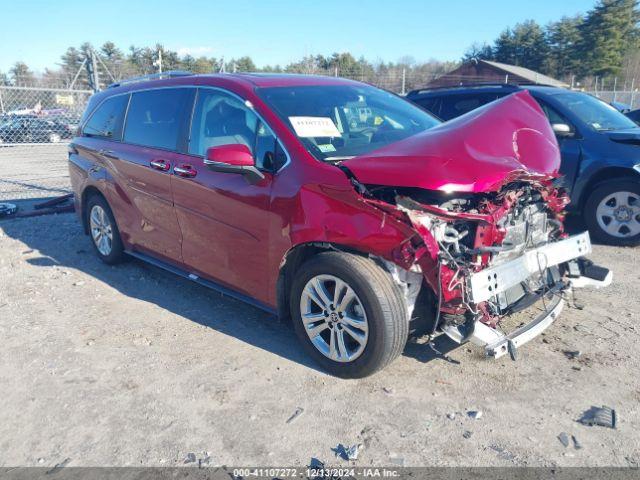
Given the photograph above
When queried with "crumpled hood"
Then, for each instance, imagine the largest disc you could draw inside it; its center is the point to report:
(477, 152)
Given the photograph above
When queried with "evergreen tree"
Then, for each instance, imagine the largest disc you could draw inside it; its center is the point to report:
(563, 38)
(21, 75)
(524, 45)
(609, 30)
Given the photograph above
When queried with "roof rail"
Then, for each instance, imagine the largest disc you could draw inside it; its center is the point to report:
(466, 85)
(153, 76)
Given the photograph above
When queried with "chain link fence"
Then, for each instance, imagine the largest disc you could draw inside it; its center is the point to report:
(38, 115)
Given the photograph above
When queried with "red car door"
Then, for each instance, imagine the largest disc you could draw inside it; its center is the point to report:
(224, 219)
(155, 126)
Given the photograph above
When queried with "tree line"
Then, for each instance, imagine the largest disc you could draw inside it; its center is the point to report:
(602, 42)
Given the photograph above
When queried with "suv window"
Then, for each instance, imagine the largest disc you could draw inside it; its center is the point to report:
(107, 120)
(156, 118)
(455, 105)
(431, 104)
(220, 119)
(552, 114)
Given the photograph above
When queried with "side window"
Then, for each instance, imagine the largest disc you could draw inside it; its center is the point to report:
(553, 116)
(221, 119)
(448, 107)
(106, 121)
(430, 103)
(156, 118)
(268, 153)
(457, 105)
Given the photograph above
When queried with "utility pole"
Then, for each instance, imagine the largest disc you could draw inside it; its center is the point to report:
(404, 79)
(158, 62)
(92, 72)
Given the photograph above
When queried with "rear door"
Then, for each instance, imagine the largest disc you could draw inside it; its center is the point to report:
(156, 126)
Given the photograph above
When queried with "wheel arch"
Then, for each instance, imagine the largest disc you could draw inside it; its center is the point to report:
(604, 175)
(299, 254)
(87, 193)
(291, 262)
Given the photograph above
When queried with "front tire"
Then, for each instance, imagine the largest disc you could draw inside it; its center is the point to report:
(348, 313)
(103, 230)
(612, 212)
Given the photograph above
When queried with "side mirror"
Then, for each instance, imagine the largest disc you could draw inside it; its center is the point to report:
(233, 158)
(562, 129)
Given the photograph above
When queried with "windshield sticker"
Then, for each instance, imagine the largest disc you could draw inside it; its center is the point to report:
(306, 127)
(326, 148)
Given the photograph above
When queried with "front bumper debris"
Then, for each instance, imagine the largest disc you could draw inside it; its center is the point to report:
(501, 344)
(492, 281)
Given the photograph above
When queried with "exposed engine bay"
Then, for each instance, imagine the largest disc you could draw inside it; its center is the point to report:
(490, 255)
(486, 236)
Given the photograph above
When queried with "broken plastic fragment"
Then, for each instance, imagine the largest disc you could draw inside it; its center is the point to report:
(564, 439)
(603, 417)
(299, 411)
(347, 453)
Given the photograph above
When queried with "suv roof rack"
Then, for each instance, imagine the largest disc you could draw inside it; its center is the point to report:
(152, 76)
(466, 85)
(485, 84)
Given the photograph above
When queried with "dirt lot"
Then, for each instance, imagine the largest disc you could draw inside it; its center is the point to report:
(129, 365)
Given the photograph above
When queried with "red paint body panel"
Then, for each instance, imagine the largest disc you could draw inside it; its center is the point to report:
(472, 153)
(223, 228)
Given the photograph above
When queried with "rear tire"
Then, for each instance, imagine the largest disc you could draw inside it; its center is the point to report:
(368, 314)
(103, 230)
(612, 212)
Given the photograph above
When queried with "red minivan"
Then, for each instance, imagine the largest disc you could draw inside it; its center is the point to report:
(337, 205)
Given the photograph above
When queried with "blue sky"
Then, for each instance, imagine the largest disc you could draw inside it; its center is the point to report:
(270, 31)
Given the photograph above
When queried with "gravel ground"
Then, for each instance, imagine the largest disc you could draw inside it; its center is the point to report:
(130, 366)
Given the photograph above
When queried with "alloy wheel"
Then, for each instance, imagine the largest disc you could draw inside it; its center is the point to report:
(618, 214)
(101, 230)
(334, 318)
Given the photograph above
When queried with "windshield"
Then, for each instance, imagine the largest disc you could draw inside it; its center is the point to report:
(339, 122)
(594, 112)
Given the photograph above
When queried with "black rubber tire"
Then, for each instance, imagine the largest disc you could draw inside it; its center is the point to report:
(117, 254)
(383, 303)
(590, 206)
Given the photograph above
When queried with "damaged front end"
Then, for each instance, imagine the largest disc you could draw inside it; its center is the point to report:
(488, 220)
(495, 255)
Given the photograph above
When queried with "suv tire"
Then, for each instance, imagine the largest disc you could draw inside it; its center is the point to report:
(103, 230)
(612, 212)
(369, 306)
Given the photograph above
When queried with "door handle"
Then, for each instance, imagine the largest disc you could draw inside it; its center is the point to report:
(185, 171)
(161, 165)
